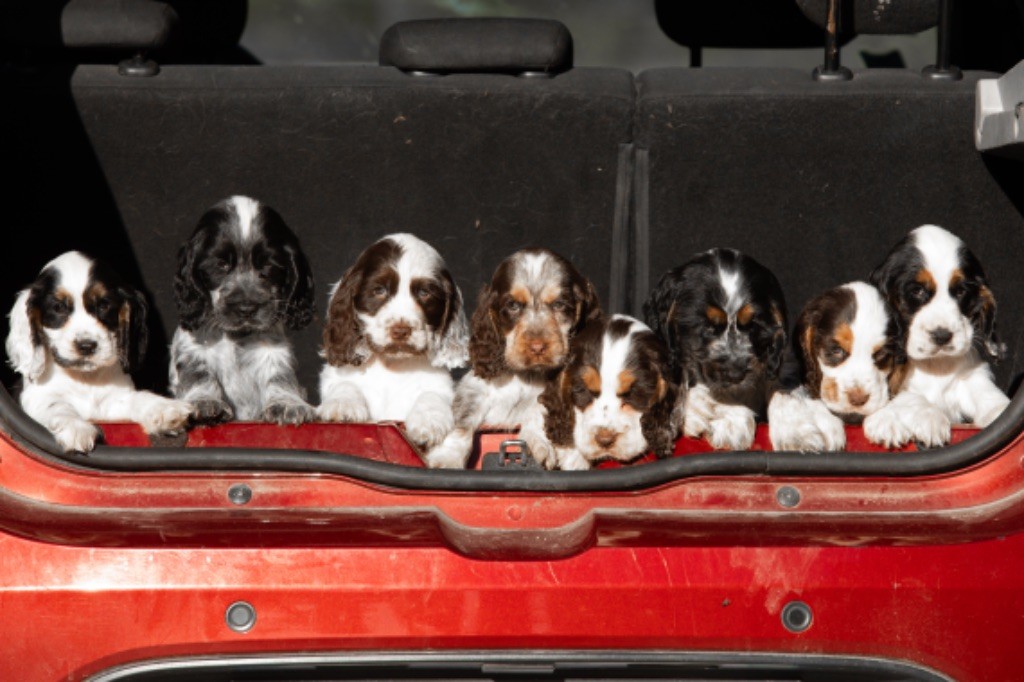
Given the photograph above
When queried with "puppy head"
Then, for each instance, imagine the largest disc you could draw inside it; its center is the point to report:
(613, 399)
(849, 346)
(938, 289)
(723, 317)
(243, 271)
(525, 317)
(397, 301)
(79, 313)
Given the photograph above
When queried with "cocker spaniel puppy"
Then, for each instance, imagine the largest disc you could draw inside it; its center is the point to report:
(75, 335)
(519, 337)
(848, 345)
(947, 313)
(723, 317)
(395, 327)
(242, 281)
(613, 399)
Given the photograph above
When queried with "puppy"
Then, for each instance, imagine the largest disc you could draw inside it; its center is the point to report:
(75, 335)
(723, 317)
(613, 398)
(947, 312)
(395, 326)
(242, 281)
(520, 333)
(848, 345)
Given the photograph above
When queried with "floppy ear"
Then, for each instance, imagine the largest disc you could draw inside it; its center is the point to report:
(985, 325)
(452, 348)
(805, 342)
(656, 424)
(659, 310)
(343, 334)
(132, 331)
(25, 350)
(560, 419)
(192, 301)
(588, 305)
(777, 348)
(299, 306)
(486, 344)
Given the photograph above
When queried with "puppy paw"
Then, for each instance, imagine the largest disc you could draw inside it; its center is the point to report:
(346, 411)
(931, 427)
(804, 425)
(75, 435)
(167, 417)
(540, 448)
(427, 428)
(886, 428)
(448, 455)
(569, 459)
(210, 412)
(289, 412)
(732, 430)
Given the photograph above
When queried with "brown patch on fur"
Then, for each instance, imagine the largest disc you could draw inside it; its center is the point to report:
(716, 315)
(925, 279)
(809, 356)
(626, 380)
(124, 332)
(521, 294)
(829, 390)
(745, 314)
(897, 376)
(844, 337)
(778, 317)
(956, 277)
(591, 379)
(560, 419)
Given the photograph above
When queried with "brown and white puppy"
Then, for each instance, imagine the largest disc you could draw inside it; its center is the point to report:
(520, 334)
(395, 327)
(948, 315)
(613, 399)
(848, 345)
(76, 333)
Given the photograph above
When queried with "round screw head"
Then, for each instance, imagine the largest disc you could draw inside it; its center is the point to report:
(240, 616)
(240, 493)
(797, 616)
(788, 496)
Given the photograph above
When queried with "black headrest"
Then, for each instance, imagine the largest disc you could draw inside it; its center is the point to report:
(87, 24)
(478, 46)
(889, 17)
(738, 23)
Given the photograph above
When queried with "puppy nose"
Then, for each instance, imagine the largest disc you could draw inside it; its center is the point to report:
(86, 346)
(246, 308)
(941, 336)
(606, 437)
(538, 346)
(400, 331)
(733, 371)
(858, 396)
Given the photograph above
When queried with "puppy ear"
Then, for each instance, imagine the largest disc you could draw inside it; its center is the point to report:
(588, 305)
(299, 306)
(132, 331)
(659, 311)
(452, 348)
(343, 334)
(657, 425)
(192, 301)
(804, 343)
(486, 343)
(985, 325)
(777, 348)
(560, 418)
(26, 352)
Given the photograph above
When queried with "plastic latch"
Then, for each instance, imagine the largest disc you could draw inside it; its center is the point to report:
(512, 455)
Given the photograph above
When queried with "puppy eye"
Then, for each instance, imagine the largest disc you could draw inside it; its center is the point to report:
(513, 306)
(103, 306)
(60, 306)
(422, 293)
(559, 306)
(223, 264)
(836, 354)
(379, 291)
(917, 292)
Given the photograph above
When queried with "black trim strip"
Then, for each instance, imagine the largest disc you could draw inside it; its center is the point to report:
(618, 281)
(988, 442)
(641, 231)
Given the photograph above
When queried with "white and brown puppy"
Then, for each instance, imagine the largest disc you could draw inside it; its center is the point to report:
(242, 282)
(723, 317)
(948, 316)
(75, 335)
(395, 327)
(848, 345)
(613, 399)
(520, 333)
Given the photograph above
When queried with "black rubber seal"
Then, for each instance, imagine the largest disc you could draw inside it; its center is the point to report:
(122, 459)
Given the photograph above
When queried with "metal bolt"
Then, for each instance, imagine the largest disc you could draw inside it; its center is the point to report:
(797, 616)
(788, 496)
(240, 616)
(240, 493)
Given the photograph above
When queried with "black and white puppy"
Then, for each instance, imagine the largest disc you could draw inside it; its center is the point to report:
(723, 317)
(519, 337)
(947, 312)
(848, 345)
(395, 327)
(75, 335)
(614, 398)
(242, 281)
